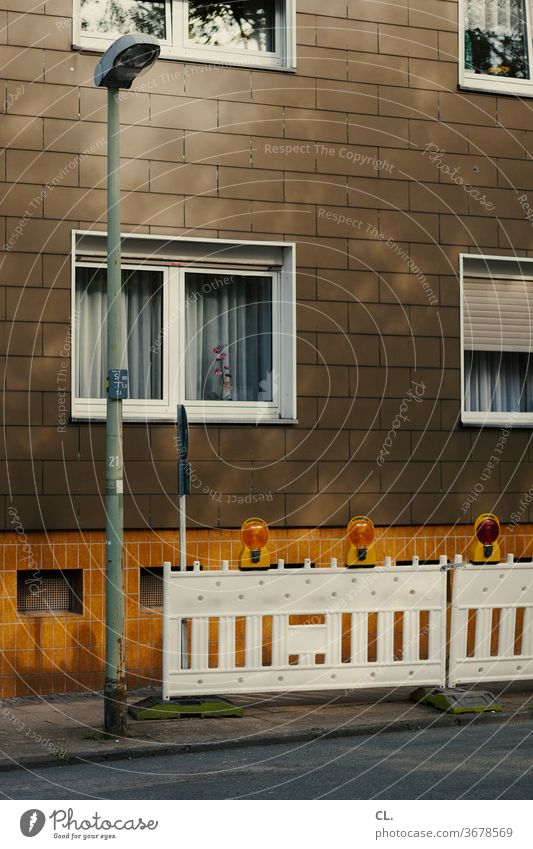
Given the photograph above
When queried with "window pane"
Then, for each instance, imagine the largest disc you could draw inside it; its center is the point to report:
(142, 307)
(499, 382)
(247, 25)
(120, 17)
(229, 337)
(496, 38)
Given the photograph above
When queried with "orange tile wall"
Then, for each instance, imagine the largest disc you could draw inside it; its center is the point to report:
(65, 652)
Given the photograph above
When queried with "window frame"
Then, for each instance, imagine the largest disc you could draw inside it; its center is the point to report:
(487, 418)
(177, 46)
(282, 409)
(470, 81)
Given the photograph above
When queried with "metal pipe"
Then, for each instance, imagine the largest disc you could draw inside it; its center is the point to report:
(115, 707)
(183, 533)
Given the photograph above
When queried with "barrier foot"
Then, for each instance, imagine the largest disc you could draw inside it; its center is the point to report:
(455, 700)
(154, 707)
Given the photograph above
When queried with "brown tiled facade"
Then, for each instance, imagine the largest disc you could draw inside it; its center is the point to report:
(332, 158)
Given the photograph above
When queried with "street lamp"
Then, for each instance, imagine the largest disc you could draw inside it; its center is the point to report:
(127, 57)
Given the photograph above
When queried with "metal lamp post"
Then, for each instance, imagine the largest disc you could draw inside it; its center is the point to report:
(120, 65)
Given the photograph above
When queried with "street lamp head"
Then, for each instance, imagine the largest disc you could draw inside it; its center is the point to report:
(127, 57)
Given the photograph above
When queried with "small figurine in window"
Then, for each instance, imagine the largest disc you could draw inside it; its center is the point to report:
(222, 370)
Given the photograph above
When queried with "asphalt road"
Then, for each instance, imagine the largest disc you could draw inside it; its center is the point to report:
(480, 762)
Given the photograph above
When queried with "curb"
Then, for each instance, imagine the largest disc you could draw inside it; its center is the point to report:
(308, 736)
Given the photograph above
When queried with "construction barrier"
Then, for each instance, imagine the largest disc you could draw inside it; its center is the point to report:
(361, 628)
(491, 636)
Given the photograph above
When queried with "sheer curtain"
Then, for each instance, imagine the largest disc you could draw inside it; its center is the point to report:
(142, 306)
(234, 314)
(499, 381)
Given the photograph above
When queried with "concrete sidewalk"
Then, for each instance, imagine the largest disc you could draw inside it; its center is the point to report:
(38, 732)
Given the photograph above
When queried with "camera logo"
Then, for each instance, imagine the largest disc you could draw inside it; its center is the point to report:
(32, 822)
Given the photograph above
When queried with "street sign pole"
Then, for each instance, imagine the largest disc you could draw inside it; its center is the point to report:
(183, 534)
(184, 480)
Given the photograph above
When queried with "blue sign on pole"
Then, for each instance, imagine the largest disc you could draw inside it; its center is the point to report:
(117, 383)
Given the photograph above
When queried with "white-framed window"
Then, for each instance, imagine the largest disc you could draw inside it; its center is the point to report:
(495, 46)
(497, 340)
(258, 33)
(208, 323)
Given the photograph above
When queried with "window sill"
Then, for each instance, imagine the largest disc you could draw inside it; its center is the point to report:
(47, 614)
(499, 420)
(493, 85)
(240, 421)
(223, 60)
(192, 419)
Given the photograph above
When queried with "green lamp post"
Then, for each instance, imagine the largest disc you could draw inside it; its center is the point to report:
(127, 57)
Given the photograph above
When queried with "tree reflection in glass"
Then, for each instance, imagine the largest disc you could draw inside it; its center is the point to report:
(120, 17)
(249, 25)
(496, 38)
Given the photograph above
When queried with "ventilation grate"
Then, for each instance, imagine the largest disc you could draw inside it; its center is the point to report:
(151, 586)
(49, 590)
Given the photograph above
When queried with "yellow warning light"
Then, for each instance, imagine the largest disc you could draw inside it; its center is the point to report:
(361, 534)
(486, 548)
(254, 538)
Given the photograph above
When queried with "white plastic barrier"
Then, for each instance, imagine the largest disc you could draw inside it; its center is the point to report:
(494, 603)
(205, 613)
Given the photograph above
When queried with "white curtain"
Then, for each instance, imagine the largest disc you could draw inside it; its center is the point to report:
(499, 381)
(234, 314)
(142, 304)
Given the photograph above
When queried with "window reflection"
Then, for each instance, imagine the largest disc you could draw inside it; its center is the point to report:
(122, 17)
(496, 38)
(246, 25)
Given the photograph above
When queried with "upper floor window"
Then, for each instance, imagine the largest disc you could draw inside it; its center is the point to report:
(238, 32)
(496, 46)
(497, 336)
(207, 324)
